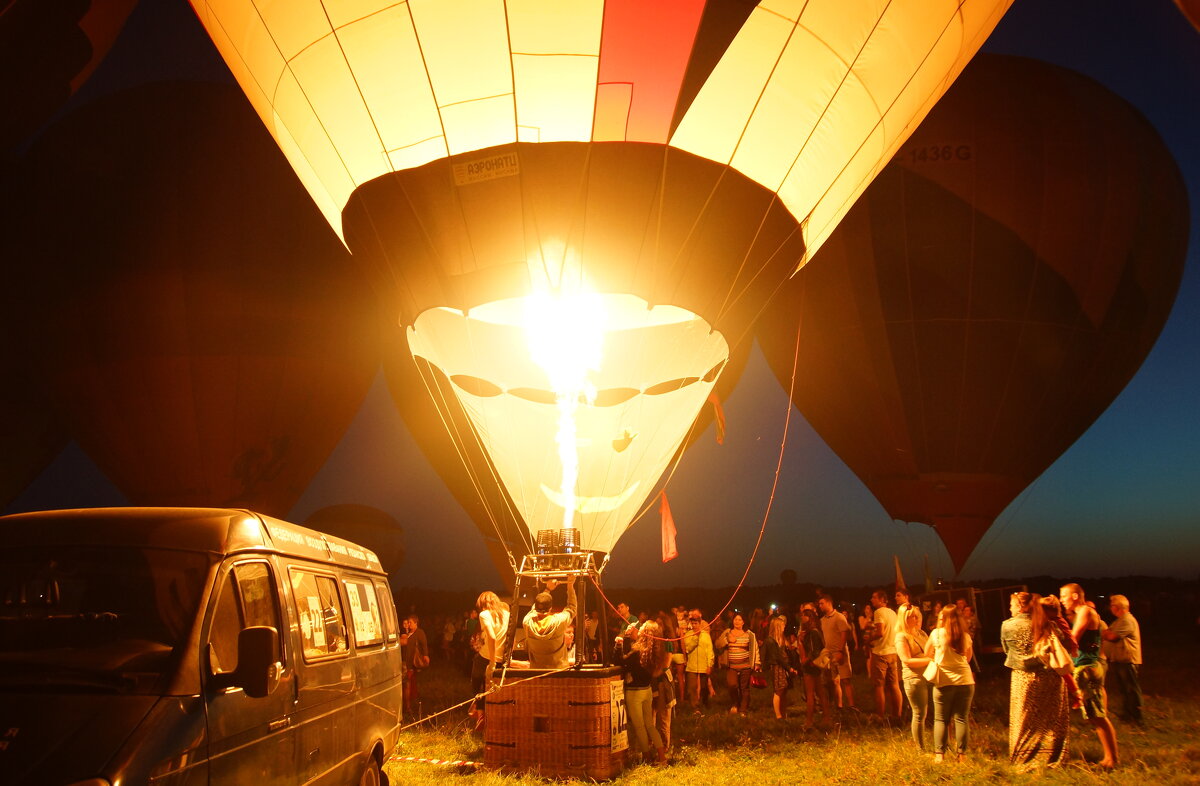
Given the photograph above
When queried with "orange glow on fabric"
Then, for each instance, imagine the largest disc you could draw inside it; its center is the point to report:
(718, 416)
(669, 551)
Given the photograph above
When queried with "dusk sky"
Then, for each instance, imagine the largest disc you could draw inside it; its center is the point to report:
(1125, 499)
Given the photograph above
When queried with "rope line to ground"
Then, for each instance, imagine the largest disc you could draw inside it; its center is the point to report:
(787, 421)
(437, 762)
(497, 686)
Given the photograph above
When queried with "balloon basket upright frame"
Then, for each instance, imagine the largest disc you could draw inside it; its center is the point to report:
(558, 723)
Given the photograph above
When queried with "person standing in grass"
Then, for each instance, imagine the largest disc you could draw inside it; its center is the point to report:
(811, 644)
(1089, 669)
(741, 656)
(885, 663)
(644, 659)
(414, 650)
(835, 631)
(910, 642)
(1038, 699)
(492, 621)
(949, 648)
(698, 651)
(775, 661)
(1122, 646)
(666, 688)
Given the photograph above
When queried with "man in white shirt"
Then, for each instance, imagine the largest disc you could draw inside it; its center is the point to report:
(885, 663)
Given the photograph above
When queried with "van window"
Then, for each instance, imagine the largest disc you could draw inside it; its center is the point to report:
(322, 626)
(389, 612)
(89, 618)
(364, 611)
(247, 599)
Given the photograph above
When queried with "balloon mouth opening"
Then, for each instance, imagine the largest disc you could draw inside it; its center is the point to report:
(580, 401)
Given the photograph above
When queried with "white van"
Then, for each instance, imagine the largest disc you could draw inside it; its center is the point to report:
(192, 646)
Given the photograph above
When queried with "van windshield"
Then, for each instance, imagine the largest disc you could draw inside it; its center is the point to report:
(96, 618)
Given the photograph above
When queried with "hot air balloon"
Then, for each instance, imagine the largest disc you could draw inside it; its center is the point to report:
(1190, 9)
(576, 209)
(426, 401)
(367, 526)
(198, 326)
(33, 435)
(47, 50)
(988, 297)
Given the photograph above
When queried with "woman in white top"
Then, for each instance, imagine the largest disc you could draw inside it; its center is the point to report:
(910, 647)
(950, 672)
(493, 630)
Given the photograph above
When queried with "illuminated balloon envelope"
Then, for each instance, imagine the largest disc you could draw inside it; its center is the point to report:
(429, 404)
(663, 164)
(47, 50)
(989, 296)
(203, 335)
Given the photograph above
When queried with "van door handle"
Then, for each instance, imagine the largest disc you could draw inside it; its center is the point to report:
(282, 723)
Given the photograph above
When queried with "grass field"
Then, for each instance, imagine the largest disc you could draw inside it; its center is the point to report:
(716, 747)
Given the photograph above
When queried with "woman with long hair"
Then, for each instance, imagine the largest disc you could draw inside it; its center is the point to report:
(644, 659)
(950, 649)
(741, 655)
(911, 641)
(1038, 704)
(493, 631)
(810, 645)
(775, 661)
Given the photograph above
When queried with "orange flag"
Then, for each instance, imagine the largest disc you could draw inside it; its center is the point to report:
(669, 552)
(718, 416)
(899, 576)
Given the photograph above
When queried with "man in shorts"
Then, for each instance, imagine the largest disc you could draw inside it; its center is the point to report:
(1089, 668)
(835, 629)
(885, 663)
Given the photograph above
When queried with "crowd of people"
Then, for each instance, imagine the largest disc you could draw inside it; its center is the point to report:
(919, 661)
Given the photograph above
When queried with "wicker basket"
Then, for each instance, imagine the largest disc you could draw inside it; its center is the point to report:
(558, 725)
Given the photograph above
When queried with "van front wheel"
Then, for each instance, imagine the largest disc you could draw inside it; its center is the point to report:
(371, 775)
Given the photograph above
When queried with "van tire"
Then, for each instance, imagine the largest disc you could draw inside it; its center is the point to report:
(371, 775)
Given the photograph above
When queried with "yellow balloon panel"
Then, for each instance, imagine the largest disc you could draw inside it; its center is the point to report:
(820, 87)
(383, 54)
(555, 97)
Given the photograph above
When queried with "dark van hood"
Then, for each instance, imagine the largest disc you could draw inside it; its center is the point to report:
(49, 738)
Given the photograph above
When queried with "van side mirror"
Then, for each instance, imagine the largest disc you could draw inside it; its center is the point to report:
(258, 661)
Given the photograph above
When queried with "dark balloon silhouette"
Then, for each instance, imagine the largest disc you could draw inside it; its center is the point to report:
(48, 48)
(199, 327)
(1190, 9)
(366, 526)
(33, 435)
(988, 297)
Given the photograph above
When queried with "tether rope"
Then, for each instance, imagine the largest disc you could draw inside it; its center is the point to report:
(495, 687)
(770, 500)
